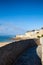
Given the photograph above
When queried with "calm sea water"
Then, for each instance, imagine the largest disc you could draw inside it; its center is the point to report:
(6, 38)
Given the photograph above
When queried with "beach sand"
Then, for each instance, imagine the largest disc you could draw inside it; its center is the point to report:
(4, 43)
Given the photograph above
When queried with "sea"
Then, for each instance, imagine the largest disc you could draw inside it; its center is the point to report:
(6, 38)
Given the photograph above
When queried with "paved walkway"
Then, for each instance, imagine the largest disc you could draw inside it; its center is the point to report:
(29, 57)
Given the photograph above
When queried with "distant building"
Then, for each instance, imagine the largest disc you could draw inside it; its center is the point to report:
(19, 36)
(31, 34)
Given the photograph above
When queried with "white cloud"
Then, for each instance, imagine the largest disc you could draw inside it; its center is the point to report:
(10, 28)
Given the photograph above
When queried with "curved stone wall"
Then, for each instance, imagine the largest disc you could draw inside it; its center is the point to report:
(10, 52)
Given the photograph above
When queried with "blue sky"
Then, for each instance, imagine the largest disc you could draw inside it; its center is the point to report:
(18, 16)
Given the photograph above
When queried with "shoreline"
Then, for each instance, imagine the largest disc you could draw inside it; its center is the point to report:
(4, 43)
(8, 42)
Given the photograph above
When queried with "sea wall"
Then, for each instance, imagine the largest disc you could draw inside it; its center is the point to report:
(9, 53)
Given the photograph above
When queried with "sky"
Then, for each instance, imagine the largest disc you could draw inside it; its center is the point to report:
(19, 16)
